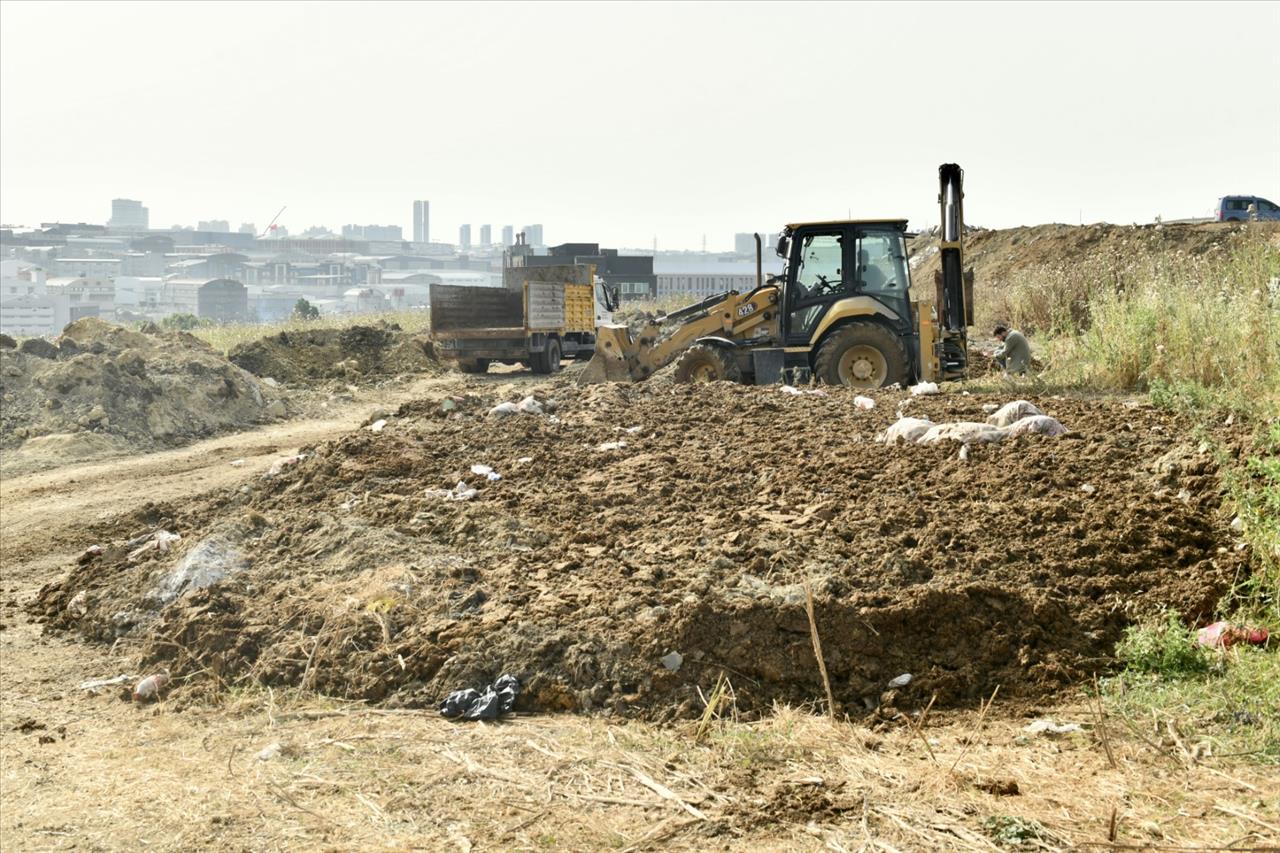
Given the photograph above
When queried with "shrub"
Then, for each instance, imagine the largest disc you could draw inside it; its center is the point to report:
(1164, 647)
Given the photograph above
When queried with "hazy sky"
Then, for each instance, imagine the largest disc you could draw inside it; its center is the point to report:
(619, 123)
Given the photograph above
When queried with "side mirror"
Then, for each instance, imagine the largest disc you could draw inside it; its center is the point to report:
(784, 246)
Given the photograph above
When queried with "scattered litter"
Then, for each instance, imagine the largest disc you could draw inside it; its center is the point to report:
(673, 661)
(1224, 635)
(989, 407)
(907, 429)
(524, 460)
(966, 432)
(148, 689)
(460, 492)
(964, 452)
(925, 388)
(812, 392)
(861, 402)
(448, 404)
(204, 565)
(269, 382)
(1237, 525)
(95, 685)
(1010, 413)
(901, 681)
(1088, 488)
(611, 445)
(1037, 425)
(503, 410)
(632, 430)
(287, 462)
(270, 751)
(157, 540)
(91, 552)
(486, 472)
(237, 463)
(378, 425)
(529, 406)
(495, 700)
(1049, 727)
(79, 603)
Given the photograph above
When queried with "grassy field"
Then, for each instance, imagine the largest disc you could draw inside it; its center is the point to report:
(224, 337)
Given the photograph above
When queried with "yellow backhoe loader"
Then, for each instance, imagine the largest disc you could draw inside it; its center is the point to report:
(843, 311)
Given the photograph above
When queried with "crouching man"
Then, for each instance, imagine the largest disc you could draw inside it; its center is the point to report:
(1014, 354)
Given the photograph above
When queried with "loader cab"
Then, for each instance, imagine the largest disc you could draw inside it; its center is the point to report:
(838, 270)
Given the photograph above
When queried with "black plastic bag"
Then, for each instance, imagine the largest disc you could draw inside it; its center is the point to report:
(494, 701)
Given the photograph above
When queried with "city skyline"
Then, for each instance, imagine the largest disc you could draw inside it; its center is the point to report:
(1076, 144)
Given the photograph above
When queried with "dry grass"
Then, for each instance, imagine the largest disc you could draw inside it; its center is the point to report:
(224, 337)
(348, 777)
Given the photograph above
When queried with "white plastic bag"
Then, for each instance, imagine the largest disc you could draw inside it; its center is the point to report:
(1038, 425)
(965, 432)
(1009, 413)
(907, 429)
(925, 388)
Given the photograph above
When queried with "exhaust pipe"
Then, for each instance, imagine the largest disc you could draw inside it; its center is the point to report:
(759, 263)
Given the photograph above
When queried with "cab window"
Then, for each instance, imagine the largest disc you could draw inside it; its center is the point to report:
(820, 277)
(881, 266)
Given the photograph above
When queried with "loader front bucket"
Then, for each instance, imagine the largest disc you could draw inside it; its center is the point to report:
(609, 364)
(601, 368)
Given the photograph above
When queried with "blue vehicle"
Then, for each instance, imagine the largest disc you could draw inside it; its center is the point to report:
(1235, 208)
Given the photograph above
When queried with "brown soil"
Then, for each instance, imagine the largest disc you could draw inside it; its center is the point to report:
(317, 355)
(581, 569)
(101, 388)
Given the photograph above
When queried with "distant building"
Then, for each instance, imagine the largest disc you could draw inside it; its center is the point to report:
(75, 297)
(218, 299)
(247, 228)
(104, 268)
(464, 238)
(744, 244)
(533, 235)
(128, 215)
(486, 235)
(631, 275)
(391, 233)
(220, 226)
(508, 235)
(422, 222)
(703, 285)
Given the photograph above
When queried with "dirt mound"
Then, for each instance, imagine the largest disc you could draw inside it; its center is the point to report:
(640, 521)
(101, 388)
(315, 355)
(1043, 253)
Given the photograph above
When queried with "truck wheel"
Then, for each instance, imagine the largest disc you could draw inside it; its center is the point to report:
(547, 361)
(707, 363)
(861, 355)
(473, 365)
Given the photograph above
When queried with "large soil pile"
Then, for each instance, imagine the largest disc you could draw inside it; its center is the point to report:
(101, 388)
(639, 521)
(357, 353)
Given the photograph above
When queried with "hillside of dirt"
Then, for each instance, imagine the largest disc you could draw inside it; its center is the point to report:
(100, 389)
(639, 543)
(356, 353)
(1041, 253)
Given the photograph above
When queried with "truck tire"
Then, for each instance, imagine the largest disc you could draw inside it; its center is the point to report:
(707, 363)
(473, 365)
(547, 361)
(862, 355)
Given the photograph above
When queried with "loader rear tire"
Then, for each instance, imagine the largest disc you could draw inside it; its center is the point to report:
(862, 355)
(707, 363)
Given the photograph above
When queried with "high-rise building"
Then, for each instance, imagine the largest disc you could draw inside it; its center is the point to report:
(533, 235)
(744, 244)
(128, 215)
(221, 226)
(248, 228)
(508, 235)
(464, 238)
(486, 235)
(422, 222)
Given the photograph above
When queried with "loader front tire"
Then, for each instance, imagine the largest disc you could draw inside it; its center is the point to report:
(707, 363)
(862, 355)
